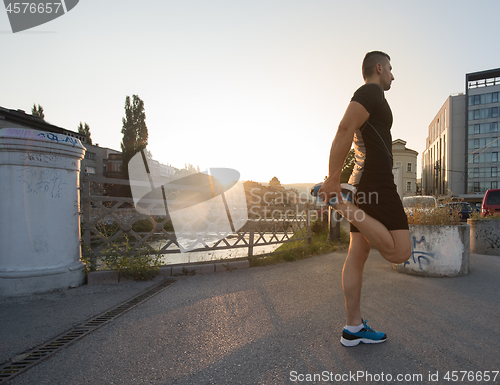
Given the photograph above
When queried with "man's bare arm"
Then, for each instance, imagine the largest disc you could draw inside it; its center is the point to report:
(354, 117)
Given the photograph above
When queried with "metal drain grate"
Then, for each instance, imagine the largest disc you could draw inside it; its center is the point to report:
(25, 361)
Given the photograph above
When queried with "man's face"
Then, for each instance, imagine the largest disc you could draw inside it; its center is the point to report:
(386, 77)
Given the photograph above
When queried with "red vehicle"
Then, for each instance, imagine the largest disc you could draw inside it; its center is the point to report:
(491, 202)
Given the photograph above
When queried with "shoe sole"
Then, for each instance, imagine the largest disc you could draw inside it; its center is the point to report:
(351, 192)
(350, 343)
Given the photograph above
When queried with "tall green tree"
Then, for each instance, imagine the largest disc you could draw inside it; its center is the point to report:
(37, 111)
(135, 131)
(85, 130)
(348, 166)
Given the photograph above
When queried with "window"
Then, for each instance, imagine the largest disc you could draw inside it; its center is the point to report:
(477, 99)
(476, 143)
(90, 155)
(476, 187)
(494, 184)
(476, 172)
(408, 167)
(493, 172)
(494, 127)
(476, 128)
(483, 98)
(471, 129)
(494, 157)
(494, 97)
(470, 144)
(90, 170)
(477, 114)
(408, 186)
(398, 164)
(494, 112)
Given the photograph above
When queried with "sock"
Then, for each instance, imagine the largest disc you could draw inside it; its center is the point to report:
(354, 329)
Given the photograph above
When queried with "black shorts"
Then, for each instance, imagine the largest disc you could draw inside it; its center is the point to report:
(382, 202)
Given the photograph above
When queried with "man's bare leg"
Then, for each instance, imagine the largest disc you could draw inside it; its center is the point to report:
(394, 245)
(352, 277)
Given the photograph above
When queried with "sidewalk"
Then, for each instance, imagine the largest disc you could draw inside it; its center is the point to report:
(266, 325)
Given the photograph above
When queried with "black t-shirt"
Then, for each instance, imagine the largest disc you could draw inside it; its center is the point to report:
(373, 141)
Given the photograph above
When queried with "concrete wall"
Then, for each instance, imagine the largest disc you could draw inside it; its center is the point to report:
(438, 251)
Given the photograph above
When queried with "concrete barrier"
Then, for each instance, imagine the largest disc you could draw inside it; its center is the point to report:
(438, 251)
(484, 236)
(39, 221)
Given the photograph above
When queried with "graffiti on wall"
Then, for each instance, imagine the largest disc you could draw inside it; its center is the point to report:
(421, 254)
(31, 134)
(39, 181)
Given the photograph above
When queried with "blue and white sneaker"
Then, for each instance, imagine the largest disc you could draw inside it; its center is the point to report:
(348, 192)
(365, 336)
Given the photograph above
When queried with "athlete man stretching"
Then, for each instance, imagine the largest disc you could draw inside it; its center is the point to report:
(377, 219)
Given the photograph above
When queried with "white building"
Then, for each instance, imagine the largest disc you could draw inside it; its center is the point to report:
(404, 168)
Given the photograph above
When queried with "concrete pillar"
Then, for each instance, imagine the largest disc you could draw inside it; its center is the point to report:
(39, 219)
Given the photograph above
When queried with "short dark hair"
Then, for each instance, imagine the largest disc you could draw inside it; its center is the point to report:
(371, 60)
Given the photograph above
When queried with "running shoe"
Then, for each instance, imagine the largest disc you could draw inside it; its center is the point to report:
(348, 192)
(365, 336)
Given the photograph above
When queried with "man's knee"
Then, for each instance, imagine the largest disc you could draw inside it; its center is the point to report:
(399, 255)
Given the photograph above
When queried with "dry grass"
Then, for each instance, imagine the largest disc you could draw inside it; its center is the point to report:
(442, 215)
(479, 216)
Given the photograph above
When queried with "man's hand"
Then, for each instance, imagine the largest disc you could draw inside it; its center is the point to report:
(330, 188)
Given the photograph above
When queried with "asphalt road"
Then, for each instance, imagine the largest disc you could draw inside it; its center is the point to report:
(277, 324)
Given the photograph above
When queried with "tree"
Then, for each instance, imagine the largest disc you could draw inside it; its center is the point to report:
(84, 129)
(135, 131)
(348, 167)
(37, 111)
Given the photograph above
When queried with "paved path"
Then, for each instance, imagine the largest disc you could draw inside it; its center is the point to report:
(271, 324)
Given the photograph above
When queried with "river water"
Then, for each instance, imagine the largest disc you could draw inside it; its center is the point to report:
(214, 255)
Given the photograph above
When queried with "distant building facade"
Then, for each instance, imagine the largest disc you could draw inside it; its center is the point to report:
(483, 116)
(461, 155)
(443, 160)
(404, 168)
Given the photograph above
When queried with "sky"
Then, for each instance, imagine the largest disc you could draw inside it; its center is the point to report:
(257, 86)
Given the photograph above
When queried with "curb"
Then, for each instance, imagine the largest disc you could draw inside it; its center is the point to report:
(105, 277)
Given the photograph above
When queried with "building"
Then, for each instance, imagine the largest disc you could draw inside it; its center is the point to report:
(96, 158)
(20, 119)
(443, 160)
(482, 118)
(461, 155)
(404, 168)
(275, 183)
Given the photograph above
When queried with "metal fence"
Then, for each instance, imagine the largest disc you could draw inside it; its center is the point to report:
(107, 221)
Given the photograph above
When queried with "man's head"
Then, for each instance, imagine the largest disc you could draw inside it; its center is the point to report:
(376, 65)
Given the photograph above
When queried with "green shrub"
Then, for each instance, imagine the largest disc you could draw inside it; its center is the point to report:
(140, 265)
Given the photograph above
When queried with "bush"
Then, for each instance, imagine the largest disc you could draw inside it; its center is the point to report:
(441, 215)
(318, 226)
(140, 265)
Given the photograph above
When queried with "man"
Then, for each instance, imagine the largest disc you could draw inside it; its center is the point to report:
(377, 216)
